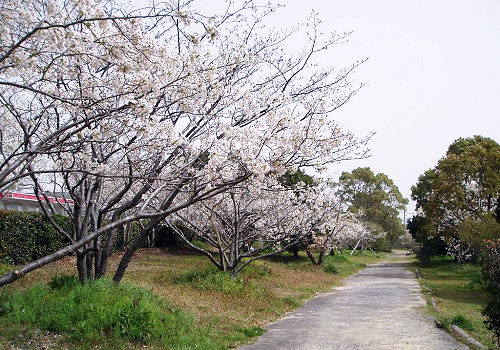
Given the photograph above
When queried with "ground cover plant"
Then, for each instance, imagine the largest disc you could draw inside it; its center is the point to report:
(459, 294)
(218, 311)
(101, 312)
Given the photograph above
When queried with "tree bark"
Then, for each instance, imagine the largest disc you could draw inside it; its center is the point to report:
(136, 244)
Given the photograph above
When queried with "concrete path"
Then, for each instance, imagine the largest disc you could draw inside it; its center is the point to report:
(375, 309)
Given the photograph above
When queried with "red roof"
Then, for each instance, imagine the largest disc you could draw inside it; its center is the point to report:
(32, 197)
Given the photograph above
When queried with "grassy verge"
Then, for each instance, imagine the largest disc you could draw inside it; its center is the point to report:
(458, 292)
(208, 309)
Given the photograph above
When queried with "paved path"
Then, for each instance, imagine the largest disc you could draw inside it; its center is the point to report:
(375, 309)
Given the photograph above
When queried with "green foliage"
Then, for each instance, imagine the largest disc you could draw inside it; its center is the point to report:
(293, 178)
(4, 268)
(421, 191)
(443, 322)
(381, 245)
(291, 301)
(462, 193)
(338, 258)
(458, 320)
(462, 321)
(63, 281)
(26, 236)
(430, 246)
(331, 267)
(213, 279)
(377, 197)
(491, 278)
(332, 263)
(252, 331)
(256, 270)
(100, 311)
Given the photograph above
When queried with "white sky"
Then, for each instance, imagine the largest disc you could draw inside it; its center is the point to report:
(432, 76)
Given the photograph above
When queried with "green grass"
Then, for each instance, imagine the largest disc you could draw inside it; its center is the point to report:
(457, 289)
(4, 268)
(102, 313)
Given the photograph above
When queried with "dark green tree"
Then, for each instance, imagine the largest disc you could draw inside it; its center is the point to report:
(429, 245)
(377, 197)
(462, 189)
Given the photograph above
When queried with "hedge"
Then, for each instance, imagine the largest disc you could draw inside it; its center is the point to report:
(491, 277)
(26, 236)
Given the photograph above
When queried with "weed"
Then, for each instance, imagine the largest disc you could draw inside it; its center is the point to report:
(337, 258)
(443, 322)
(462, 322)
(251, 332)
(331, 267)
(458, 320)
(4, 268)
(62, 281)
(291, 301)
(476, 282)
(211, 279)
(256, 270)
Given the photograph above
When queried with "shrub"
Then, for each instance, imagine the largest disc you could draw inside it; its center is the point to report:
(382, 245)
(331, 263)
(491, 278)
(26, 236)
(101, 311)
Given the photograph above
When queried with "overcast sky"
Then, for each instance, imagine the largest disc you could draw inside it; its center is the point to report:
(432, 76)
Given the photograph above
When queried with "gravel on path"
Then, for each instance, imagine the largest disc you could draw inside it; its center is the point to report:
(376, 309)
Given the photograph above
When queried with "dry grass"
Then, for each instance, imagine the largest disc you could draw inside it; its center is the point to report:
(268, 290)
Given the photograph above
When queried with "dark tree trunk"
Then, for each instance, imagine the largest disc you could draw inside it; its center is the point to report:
(136, 244)
(81, 266)
(311, 257)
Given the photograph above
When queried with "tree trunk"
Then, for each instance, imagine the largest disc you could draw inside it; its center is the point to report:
(136, 244)
(321, 257)
(81, 266)
(311, 257)
(89, 262)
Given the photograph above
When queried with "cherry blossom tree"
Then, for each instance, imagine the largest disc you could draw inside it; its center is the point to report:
(137, 114)
(336, 226)
(257, 219)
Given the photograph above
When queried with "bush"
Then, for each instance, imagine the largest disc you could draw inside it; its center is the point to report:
(101, 311)
(331, 263)
(382, 245)
(27, 236)
(491, 278)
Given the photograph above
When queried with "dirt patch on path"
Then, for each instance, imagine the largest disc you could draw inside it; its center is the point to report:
(375, 309)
